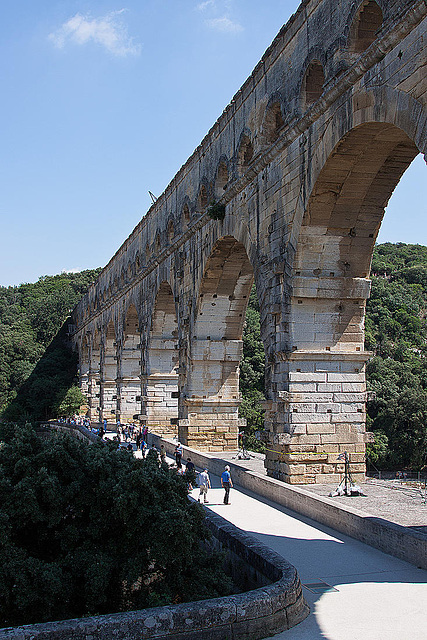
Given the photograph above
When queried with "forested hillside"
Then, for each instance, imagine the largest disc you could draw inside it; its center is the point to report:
(30, 317)
(396, 322)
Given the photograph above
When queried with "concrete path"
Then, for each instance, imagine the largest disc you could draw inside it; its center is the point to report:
(375, 596)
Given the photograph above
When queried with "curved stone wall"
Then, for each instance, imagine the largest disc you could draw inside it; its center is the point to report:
(252, 615)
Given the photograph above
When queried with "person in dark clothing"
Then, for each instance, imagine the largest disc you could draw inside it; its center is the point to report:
(226, 484)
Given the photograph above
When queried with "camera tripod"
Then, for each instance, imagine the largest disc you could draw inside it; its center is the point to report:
(346, 487)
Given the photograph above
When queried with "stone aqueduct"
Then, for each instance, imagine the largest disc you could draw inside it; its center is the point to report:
(304, 160)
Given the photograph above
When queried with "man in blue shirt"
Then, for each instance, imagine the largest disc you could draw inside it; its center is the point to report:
(226, 483)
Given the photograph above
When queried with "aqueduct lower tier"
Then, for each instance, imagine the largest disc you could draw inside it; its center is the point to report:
(300, 167)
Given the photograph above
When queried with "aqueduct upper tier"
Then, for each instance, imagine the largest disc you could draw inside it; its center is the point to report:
(300, 166)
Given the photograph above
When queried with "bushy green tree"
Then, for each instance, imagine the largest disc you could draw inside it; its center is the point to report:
(397, 374)
(91, 529)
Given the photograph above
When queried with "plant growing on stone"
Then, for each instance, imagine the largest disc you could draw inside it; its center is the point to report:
(216, 210)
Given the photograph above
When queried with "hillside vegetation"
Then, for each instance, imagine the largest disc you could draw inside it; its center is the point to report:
(31, 316)
(396, 320)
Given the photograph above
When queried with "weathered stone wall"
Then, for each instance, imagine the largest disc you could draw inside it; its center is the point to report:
(304, 160)
(272, 608)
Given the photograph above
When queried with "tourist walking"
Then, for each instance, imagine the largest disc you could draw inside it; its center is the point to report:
(178, 454)
(162, 453)
(204, 485)
(226, 484)
(189, 468)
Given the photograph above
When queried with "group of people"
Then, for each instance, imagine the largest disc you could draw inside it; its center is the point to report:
(203, 479)
(205, 484)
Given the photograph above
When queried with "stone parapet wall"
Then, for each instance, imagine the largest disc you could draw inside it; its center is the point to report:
(251, 615)
(389, 537)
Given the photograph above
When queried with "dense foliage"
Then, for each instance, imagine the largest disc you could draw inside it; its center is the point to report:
(396, 323)
(396, 375)
(30, 317)
(91, 529)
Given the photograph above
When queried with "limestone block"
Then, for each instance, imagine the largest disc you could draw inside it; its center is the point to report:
(329, 387)
(351, 418)
(346, 377)
(309, 418)
(340, 438)
(303, 387)
(302, 407)
(328, 408)
(300, 457)
(307, 377)
(320, 428)
(327, 468)
(350, 397)
(353, 387)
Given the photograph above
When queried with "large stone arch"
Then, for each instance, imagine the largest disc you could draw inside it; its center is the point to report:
(109, 404)
(94, 376)
(162, 366)
(209, 414)
(84, 363)
(323, 369)
(129, 383)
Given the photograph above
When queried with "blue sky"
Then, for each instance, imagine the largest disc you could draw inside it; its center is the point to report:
(103, 101)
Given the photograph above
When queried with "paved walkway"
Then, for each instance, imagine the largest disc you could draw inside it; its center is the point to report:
(371, 595)
(374, 597)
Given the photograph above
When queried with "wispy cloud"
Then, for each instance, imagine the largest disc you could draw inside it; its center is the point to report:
(224, 24)
(202, 6)
(219, 12)
(107, 31)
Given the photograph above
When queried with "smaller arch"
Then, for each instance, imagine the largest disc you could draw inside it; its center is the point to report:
(185, 216)
(313, 82)
(202, 200)
(366, 23)
(245, 153)
(147, 253)
(273, 122)
(221, 180)
(170, 231)
(157, 244)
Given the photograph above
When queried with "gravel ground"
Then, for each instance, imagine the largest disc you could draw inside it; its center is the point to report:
(399, 502)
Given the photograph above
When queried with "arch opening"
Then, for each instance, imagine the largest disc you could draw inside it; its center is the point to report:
(109, 375)
(365, 25)
(202, 200)
(273, 122)
(221, 180)
(163, 361)
(129, 388)
(210, 411)
(313, 83)
(94, 379)
(246, 152)
(330, 285)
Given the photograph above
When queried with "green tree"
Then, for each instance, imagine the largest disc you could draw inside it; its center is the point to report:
(91, 529)
(69, 402)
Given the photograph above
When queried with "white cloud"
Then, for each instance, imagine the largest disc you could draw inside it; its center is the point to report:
(107, 31)
(205, 5)
(224, 24)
